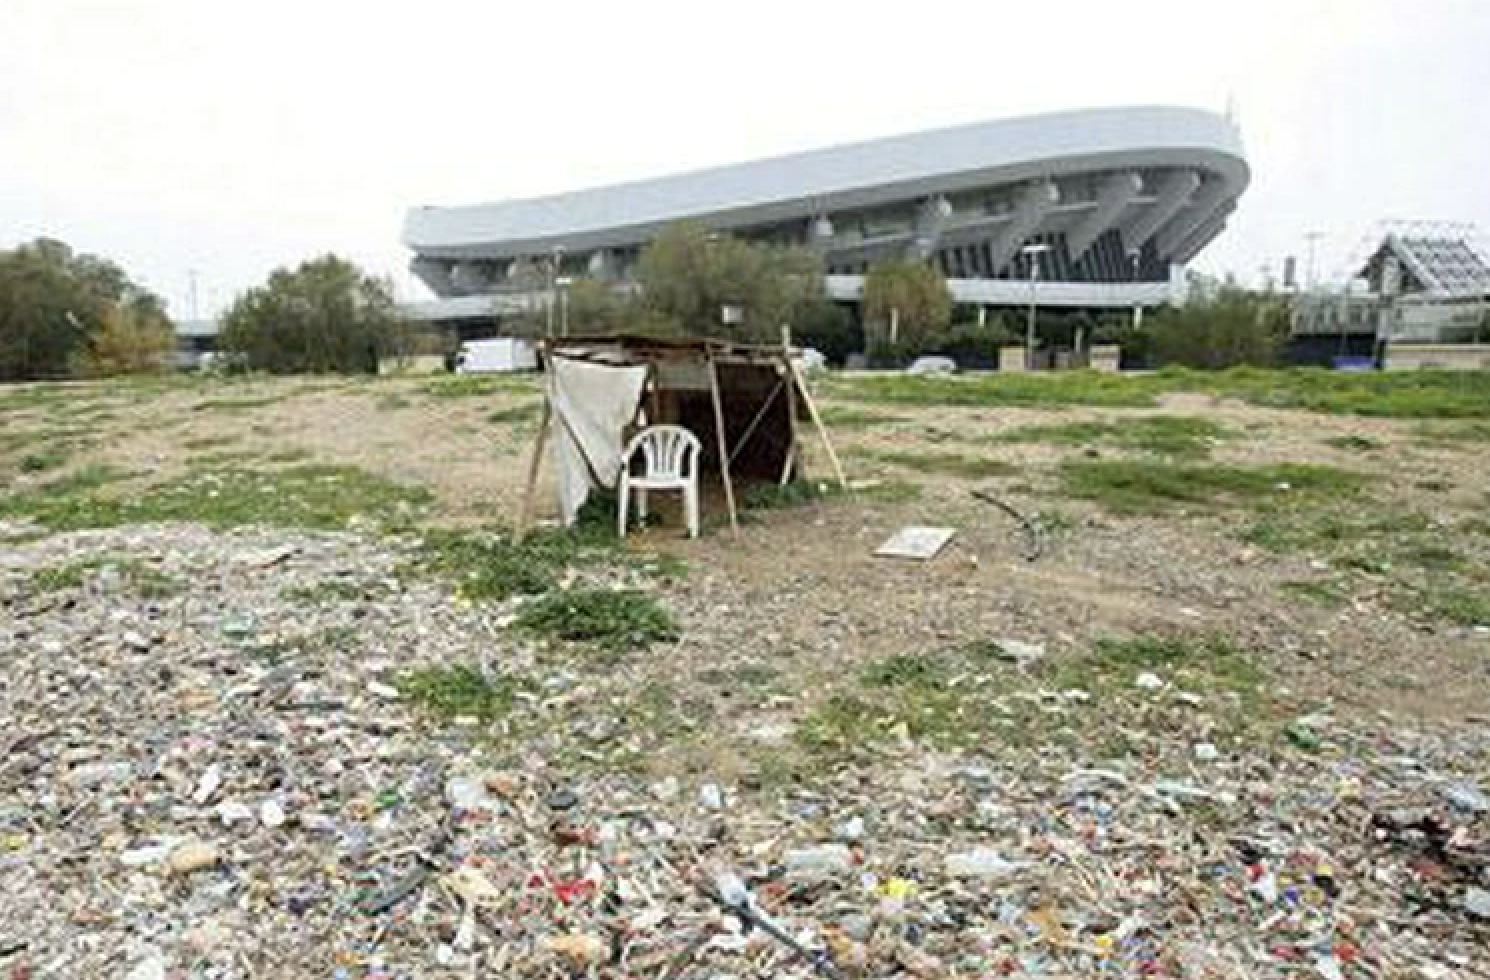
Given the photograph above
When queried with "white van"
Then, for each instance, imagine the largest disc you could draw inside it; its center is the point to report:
(496, 355)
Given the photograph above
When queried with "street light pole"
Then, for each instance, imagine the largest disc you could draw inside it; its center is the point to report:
(556, 257)
(1133, 281)
(1032, 252)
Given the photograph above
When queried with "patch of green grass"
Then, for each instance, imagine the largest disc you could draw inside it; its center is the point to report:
(1199, 662)
(1456, 604)
(1324, 592)
(1433, 557)
(480, 385)
(1165, 435)
(849, 418)
(224, 457)
(1140, 487)
(520, 414)
(335, 590)
(232, 405)
(1387, 394)
(1464, 434)
(209, 442)
(289, 456)
(1055, 389)
(391, 403)
(461, 692)
(614, 620)
(48, 459)
(903, 670)
(1284, 532)
(1355, 444)
(137, 577)
(312, 496)
(947, 464)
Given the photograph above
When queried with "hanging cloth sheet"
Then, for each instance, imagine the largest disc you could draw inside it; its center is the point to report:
(592, 405)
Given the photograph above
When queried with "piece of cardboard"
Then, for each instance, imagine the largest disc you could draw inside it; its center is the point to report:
(918, 543)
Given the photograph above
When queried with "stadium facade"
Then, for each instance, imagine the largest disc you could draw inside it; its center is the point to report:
(1122, 197)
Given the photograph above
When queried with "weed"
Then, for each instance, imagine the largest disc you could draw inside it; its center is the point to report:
(233, 405)
(1455, 604)
(48, 459)
(1462, 434)
(1136, 487)
(1355, 444)
(1204, 662)
(949, 464)
(516, 414)
(613, 620)
(1323, 592)
(209, 442)
(138, 578)
(477, 386)
(461, 692)
(1164, 435)
(391, 403)
(903, 670)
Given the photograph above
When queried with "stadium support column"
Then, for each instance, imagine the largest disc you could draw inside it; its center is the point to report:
(1114, 195)
(1173, 194)
(1202, 211)
(930, 222)
(1034, 203)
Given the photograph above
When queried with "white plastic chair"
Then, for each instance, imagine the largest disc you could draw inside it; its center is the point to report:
(670, 457)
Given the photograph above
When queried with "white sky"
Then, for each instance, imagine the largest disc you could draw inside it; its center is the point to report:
(231, 138)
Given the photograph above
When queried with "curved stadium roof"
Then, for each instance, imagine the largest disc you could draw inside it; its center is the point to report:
(1157, 176)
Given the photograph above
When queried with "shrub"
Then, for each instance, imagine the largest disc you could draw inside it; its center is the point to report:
(613, 620)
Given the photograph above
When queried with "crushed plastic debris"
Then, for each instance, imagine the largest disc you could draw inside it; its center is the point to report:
(250, 789)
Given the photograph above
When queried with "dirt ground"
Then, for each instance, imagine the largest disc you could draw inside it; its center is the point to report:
(1215, 734)
(800, 588)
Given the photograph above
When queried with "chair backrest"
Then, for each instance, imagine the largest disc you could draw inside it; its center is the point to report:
(670, 451)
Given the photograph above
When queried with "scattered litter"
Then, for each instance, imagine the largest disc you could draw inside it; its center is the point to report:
(919, 543)
(246, 791)
(1148, 681)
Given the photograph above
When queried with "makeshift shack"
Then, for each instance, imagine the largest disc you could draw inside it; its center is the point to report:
(745, 403)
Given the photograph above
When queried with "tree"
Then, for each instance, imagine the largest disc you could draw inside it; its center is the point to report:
(127, 342)
(53, 299)
(324, 316)
(828, 328)
(907, 305)
(689, 277)
(1231, 328)
(595, 306)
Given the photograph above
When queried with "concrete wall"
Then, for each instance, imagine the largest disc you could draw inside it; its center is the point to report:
(1453, 357)
(1105, 358)
(1011, 359)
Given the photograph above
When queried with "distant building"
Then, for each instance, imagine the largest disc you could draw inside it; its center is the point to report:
(196, 343)
(1418, 282)
(1118, 199)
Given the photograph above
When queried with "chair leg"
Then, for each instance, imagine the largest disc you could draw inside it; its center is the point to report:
(690, 508)
(622, 500)
(641, 506)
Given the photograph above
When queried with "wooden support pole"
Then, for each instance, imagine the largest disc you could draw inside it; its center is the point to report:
(755, 422)
(539, 442)
(793, 452)
(729, 486)
(817, 423)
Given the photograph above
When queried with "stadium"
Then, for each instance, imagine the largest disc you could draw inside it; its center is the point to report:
(1094, 209)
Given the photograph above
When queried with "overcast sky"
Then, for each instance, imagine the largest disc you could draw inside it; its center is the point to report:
(232, 138)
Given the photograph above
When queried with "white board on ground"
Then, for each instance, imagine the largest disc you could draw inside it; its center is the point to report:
(920, 543)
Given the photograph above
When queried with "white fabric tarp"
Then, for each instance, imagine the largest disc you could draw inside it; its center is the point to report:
(592, 405)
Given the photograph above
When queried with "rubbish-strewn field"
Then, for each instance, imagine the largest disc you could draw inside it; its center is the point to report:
(281, 697)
